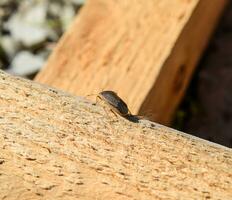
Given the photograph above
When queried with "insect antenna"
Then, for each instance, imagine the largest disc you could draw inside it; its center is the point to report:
(89, 95)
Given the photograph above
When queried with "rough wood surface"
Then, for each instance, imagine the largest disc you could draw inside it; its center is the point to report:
(144, 50)
(57, 146)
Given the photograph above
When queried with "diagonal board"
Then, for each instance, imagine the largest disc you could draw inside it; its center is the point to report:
(57, 146)
(144, 50)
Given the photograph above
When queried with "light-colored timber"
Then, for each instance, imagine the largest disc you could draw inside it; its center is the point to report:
(144, 50)
(57, 146)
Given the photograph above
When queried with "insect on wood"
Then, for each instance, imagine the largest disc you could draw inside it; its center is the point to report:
(109, 99)
(116, 104)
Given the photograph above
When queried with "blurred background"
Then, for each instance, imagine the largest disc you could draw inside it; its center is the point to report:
(29, 31)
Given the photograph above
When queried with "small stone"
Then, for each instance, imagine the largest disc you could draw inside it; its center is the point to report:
(25, 63)
(67, 16)
(55, 9)
(28, 25)
(78, 2)
(9, 45)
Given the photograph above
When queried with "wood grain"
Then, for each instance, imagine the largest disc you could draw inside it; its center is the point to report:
(57, 146)
(146, 51)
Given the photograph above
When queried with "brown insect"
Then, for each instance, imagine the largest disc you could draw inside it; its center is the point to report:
(116, 104)
(110, 100)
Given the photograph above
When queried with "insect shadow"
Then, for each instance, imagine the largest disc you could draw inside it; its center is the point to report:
(132, 118)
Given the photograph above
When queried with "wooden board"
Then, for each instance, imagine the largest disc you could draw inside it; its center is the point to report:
(146, 51)
(57, 146)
